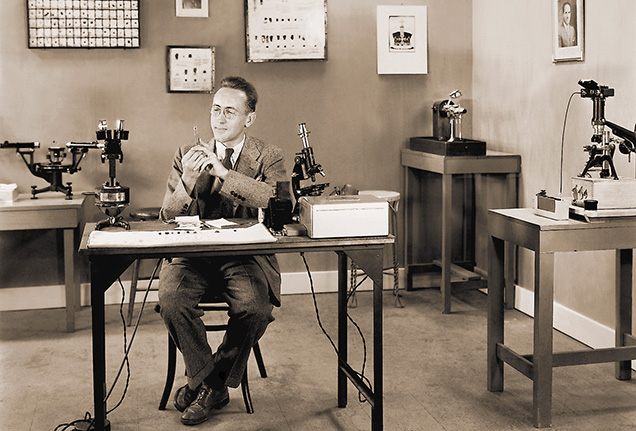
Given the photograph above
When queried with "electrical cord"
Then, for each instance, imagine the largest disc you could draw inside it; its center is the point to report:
(127, 349)
(565, 119)
(87, 422)
(324, 331)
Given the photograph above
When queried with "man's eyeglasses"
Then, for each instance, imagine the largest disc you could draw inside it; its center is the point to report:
(228, 113)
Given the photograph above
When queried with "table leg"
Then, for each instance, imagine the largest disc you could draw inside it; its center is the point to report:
(99, 349)
(623, 369)
(542, 351)
(371, 261)
(407, 229)
(70, 281)
(104, 271)
(342, 328)
(377, 412)
(511, 249)
(495, 313)
(447, 203)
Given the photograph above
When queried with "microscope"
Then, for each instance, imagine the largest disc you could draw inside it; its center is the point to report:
(606, 193)
(52, 171)
(281, 216)
(111, 198)
(305, 167)
(447, 118)
(447, 139)
(601, 151)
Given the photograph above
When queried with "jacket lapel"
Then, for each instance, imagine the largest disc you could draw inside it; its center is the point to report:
(248, 159)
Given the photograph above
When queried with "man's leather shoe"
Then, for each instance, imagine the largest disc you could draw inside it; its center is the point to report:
(207, 399)
(184, 397)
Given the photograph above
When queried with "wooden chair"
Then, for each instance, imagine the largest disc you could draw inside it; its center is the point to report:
(210, 304)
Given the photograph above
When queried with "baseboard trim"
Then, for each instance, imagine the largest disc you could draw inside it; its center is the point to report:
(570, 322)
(40, 297)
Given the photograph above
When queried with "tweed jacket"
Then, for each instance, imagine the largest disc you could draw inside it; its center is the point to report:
(248, 187)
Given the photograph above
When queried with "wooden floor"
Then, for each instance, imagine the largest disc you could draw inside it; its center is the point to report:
(435, 373)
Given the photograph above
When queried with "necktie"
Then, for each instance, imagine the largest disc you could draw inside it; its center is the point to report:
(227, 161)
(226, 207)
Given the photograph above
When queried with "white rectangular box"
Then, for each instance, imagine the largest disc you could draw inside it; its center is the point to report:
(8, 193)
(610, 193)
(344, 216)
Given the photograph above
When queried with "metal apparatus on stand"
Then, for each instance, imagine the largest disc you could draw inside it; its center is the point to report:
(52, 171)
(447, 118)
(606, 194)
(603, 145)
(447, 139)
(112, 198)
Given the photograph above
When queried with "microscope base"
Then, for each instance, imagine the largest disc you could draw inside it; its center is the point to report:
(112, 222)
(610, 194)
(458, 147)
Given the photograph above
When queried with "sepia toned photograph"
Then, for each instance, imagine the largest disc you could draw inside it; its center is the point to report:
(317, 215)
(568, 31)
(192, 8)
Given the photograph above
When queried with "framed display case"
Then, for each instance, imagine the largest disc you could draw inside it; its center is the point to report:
(190, 69)
(83, 23)
(277, 30)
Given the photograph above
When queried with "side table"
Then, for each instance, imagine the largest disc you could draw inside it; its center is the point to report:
(494, 162)
(520, 226)
(52, 211)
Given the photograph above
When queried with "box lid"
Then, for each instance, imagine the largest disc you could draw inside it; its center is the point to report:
(337, 202)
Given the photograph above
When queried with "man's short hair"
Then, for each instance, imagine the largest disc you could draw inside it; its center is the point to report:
(238, 83)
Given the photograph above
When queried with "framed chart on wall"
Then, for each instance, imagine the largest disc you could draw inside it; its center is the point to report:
(83, 24)
(277, 30)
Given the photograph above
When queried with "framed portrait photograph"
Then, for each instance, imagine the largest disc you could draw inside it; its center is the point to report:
(278, 30)
(568, 30)
(402, 40)
(192, 8)
(190, 69)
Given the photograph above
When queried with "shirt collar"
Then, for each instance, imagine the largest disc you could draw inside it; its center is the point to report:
(220, 150)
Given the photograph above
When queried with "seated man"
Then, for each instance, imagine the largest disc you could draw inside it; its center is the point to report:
(231, 176)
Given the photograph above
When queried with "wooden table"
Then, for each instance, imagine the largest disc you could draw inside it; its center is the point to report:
(107, 264)
(494, 162)
(52, 211)
(546, 237)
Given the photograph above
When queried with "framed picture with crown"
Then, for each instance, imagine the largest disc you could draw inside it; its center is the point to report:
(402, 40)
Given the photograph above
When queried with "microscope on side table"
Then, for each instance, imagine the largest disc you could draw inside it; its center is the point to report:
(52, 171)
(447, 139)
(606, 194)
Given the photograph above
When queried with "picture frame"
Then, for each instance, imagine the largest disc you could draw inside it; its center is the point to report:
(190, 69)
(85, 25)
(402, 40)
(282, 30)
(192, 8)
(568, 35)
